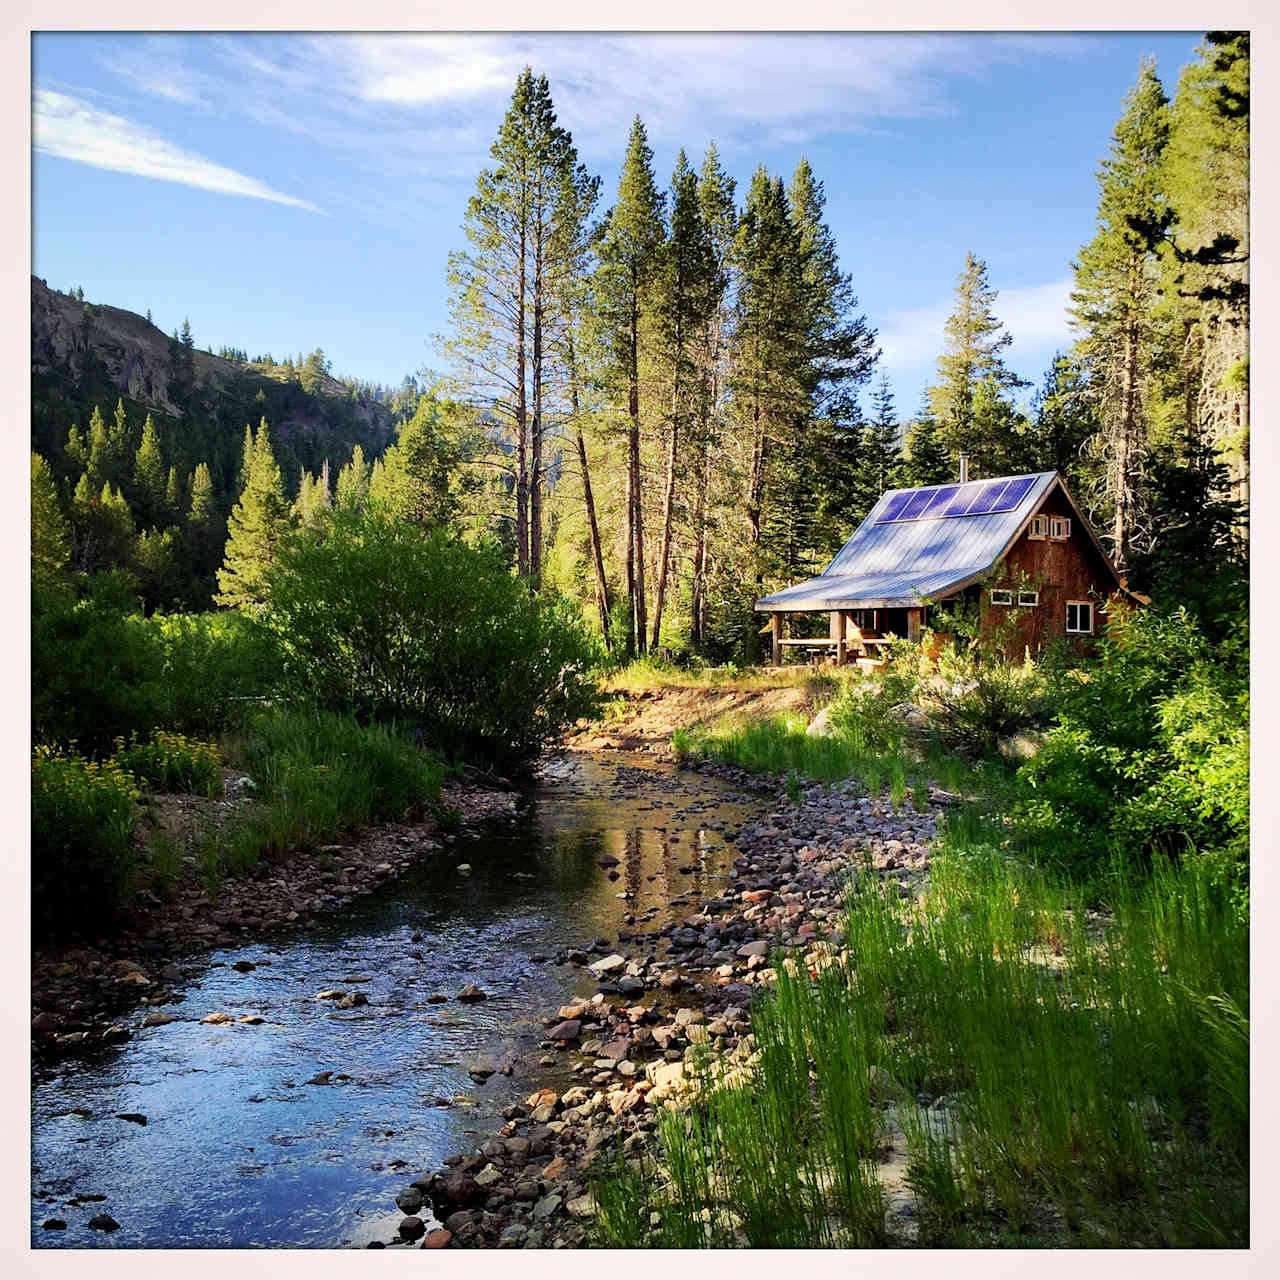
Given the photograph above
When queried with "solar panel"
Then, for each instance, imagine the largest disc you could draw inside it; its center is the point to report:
(893, 508)
(916, 507)
(975, 498)
(964, 497)
(1014, 494)
(939, 501)
(988, 499)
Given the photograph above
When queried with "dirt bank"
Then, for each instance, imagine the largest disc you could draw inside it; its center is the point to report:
(643, 719)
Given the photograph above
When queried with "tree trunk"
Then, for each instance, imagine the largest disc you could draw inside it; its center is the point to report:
(522, 424)
(535, 469)
(637, 506)
(1126, 436)
(668, 507)
(597, 553)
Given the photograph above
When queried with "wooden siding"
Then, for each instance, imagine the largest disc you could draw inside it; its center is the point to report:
(1059, 571)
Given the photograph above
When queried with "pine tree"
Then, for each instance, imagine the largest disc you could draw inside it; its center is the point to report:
(258, 521)
(187, 340)
(685, 291)
(205, 534)
(882, 452)
(927, 459)
(76, 451)
(1114, 302)
(149, 477)
(174, 500)
(524, 223)
(1206, 178)
(50, 533)
(353, 481)
(630, 252)
(972, 353)
(1062, 424)
(103, 465)
(418, 478)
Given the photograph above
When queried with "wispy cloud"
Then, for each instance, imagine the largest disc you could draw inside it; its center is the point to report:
(72, 129)
(1035, 316)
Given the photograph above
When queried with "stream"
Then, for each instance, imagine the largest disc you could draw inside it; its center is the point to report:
(240, 1150)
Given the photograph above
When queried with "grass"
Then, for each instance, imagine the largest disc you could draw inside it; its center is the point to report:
(650, 673)
(781, 746)
(1104, 1103)
(319, 775)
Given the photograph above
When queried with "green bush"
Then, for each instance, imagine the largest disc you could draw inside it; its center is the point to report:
(94, 675)
(1149, 750)
(320, 775)
(399, 624)
(82, 818)
(972, 699)
(101, 671)
(172, 762)
(215, 668)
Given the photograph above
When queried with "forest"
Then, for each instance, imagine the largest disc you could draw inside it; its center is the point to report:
(334, 607)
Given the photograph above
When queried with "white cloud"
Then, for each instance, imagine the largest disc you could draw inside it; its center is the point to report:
(1035, 316)
(73, 130)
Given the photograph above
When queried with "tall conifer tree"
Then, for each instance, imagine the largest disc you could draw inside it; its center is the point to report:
(258, 521)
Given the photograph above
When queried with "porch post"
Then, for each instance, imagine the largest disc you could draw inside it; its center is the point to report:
(777, 639)
(837, 634)
(913, 625)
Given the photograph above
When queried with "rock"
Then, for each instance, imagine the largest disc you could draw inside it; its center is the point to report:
(157, 1019)
(554, 1169)
(456, 1189)
(409, 1200)
(546, 1207)
(412, 1228)
(104, 1222)
(480, 1071)
(883, 1087)
(217, 1019)
(569, 1029)
(53, 1224)
(758, 948)
(608, 964)
(44, 1023)
(456, 1221)
(488, 1176)
(437, 997)
(252, 1019)
(464, 868)
(334, 993)
(582, 1207)
(244, 966)
(321, 1077)
(607, 860)
(115, 1034)
(1021, 746)
(820, 725)
(618, 1049)
(470, 993)
(440, 1238)
(134, 1117)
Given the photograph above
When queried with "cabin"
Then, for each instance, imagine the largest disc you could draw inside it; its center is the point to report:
(1016, 548)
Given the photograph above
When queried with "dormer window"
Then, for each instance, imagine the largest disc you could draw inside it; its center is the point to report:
(1039, 527)
(1059, 529)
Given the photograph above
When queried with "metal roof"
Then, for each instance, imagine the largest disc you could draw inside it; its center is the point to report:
(899, 563)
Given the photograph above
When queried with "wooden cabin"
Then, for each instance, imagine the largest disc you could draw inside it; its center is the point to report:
(1016, 547)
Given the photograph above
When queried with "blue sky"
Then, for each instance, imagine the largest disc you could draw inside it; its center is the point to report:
(293, 191)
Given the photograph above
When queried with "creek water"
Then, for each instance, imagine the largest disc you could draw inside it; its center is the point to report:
(239, 1150)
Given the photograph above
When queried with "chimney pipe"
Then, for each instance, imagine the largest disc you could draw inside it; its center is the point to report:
(964, 467)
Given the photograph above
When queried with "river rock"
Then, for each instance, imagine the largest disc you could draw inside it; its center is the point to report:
(217, 1019)
(471, 993)
(488, 1176)
(608, 964)
(157, 1018)
(569, 1029)
(409, 1200)
(440, 1238)
(455, 1190)
(412, 1228)
(104, 1222)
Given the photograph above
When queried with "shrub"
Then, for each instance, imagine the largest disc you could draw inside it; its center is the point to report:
(398, 624)
(1149, 750)
(172, 762)
(94, 676)
(82, 817)
(215, 668)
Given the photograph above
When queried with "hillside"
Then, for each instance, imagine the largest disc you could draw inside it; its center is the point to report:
(89, 354)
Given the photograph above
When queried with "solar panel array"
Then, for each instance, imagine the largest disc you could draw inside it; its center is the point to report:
(977, 498)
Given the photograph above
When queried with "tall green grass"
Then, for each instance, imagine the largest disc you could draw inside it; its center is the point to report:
(1093, 1073)
(319, 775)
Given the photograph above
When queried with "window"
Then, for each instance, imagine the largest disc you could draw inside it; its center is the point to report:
(1079, 618)
(1028, 599)
(1059, 529)
(1039, 527)
(1002, 597)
